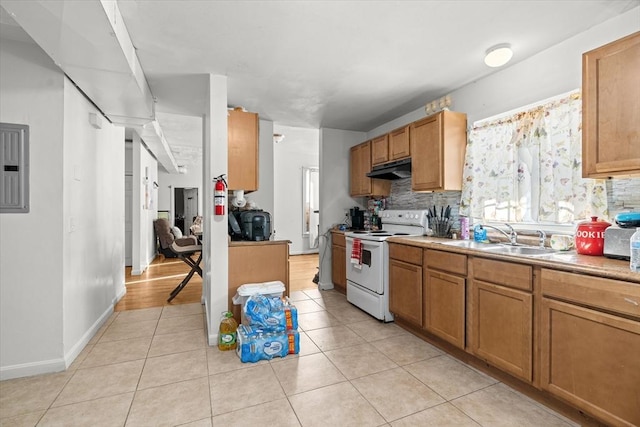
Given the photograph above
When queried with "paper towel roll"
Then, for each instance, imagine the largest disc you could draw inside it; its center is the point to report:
(238, 199)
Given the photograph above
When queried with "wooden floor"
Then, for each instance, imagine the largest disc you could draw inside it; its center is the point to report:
(152, 288)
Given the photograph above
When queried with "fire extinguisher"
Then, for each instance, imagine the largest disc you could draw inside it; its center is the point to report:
(220, 195)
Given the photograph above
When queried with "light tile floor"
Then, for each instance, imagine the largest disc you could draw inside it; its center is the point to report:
(152, 367)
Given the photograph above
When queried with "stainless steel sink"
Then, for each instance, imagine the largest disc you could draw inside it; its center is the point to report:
(520, 250)
(471, 244)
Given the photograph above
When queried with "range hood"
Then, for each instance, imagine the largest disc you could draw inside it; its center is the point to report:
(394, 170)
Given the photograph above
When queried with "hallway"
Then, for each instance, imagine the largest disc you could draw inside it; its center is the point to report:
(152, 288)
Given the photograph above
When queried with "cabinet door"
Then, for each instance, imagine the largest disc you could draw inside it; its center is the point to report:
(339, 268)
(591, 359)
(268, 262)
(380, 150)
(360, 166)
(444, 306)
(242, 151)
(399, 144)
(503, 328)
(405, 291)
(611, 109)
(426, 154)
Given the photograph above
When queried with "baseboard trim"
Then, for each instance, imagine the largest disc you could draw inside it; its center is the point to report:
(33, 368)
(71, 355)
(212, 338)
(54, 365)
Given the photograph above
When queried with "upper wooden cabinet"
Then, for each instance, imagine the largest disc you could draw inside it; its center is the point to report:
(389, 147)
(437, 151)
(399, 147)
(380, 150)
(611, 109)
(242, 150)
(361, 184)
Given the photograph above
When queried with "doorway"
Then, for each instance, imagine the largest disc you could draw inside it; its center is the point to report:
(186, 208)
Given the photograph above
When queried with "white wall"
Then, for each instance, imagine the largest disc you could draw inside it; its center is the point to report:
(549, 73)
(300, 148)
(61, 264)
(145, 169)
(264, 196)
(31, 244)
(93, 209)
(334, 190)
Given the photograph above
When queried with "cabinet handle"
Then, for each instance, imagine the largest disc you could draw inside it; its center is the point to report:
(630, 301)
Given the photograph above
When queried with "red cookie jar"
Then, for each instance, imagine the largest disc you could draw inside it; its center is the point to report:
(590, 237)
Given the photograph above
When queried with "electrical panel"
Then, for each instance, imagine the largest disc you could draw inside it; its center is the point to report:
(14, 164)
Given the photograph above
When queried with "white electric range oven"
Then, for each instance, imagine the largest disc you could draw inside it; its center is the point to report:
(368, 271)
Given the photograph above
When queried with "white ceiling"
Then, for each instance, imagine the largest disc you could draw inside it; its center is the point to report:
(350, 65)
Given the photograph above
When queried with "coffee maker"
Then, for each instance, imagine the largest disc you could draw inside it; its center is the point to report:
(357, 218)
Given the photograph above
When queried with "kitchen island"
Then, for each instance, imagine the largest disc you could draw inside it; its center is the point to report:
(561, 327)
(257, 262)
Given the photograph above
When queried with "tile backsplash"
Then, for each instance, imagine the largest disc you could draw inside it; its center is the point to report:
(622, 195)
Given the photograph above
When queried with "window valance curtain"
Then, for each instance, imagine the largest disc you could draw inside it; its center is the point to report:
(527, 167)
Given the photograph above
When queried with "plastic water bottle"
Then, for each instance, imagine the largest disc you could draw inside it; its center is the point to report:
(634, 243)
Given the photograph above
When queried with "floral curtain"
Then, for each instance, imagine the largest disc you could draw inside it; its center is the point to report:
(528, 168)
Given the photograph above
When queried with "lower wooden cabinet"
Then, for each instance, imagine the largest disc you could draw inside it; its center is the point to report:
(590, 344)
(502, 322)
(444, 306)
(592, 360)
(405, 291)
(269, 261)
(338, 262)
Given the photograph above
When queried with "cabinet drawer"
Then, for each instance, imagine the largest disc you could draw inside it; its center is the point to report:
(614, 295)
(337, 239)
(517, 276)
(447, 261)
(410, 254)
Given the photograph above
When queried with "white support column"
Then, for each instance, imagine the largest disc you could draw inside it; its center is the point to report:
(215, 254)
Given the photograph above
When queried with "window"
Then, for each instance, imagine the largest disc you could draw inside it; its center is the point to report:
(527, 167)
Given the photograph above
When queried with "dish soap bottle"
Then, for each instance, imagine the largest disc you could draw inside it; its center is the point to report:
(479, 233)
(634, 243)
(227, 334)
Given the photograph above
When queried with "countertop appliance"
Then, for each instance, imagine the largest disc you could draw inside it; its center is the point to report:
(368, 274)
(255, 225)
(617, 237)
(616, 242)
(357, 218)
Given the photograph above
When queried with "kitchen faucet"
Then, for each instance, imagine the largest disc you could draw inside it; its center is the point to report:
(543, 237)
(512, 236)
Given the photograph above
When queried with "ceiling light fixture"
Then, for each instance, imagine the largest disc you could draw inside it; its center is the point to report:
(498, 55)
(278, 137)
(182, 170)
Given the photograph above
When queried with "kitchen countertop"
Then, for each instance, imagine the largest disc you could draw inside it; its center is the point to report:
(567, 260)
(254, 243)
